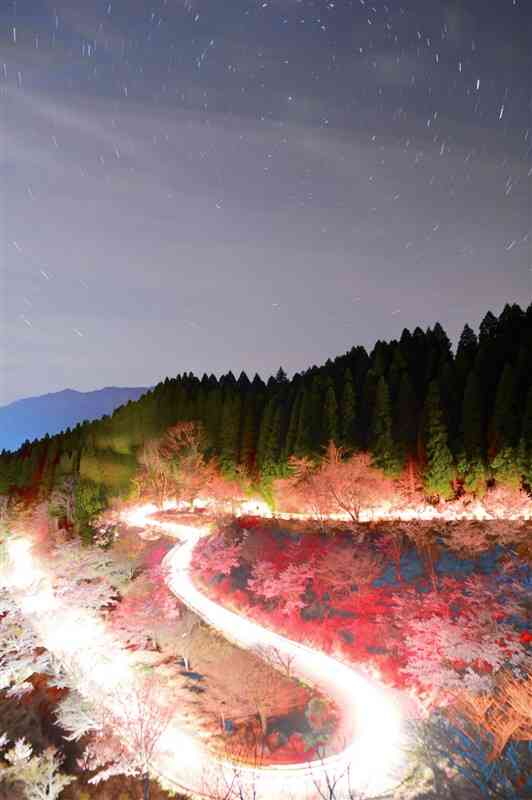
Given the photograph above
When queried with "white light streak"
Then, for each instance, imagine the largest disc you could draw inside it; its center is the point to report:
(372, 714)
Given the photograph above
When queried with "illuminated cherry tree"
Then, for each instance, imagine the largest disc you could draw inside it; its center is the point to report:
(338, 484)
(446, 656)
(343, 567)
(154, 479)
(468, 536)
(61, 504)
(216, 557)
(308, 490)
(502, 501)
(351, 483)
(182, 449)
(146, 613)
(286, 587)
(21, 652)
(79, 578)
(459, 638)
(125, 730)
(84, 577)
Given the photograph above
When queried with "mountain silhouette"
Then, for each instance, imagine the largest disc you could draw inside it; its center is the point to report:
(34, 417)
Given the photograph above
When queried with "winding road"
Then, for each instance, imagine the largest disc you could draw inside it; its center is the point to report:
(370, 763)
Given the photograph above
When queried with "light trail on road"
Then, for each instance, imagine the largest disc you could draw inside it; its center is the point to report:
(105, 674)
(370, 763)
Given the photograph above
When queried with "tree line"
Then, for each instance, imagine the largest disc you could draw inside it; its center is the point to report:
(457, 421)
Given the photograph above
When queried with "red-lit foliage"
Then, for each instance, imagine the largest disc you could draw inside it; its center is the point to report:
(285, 587)
(391, 546)
(155, 554)
(224, 492)
(248, 522)
(147, 609)
(339, 484)
(432, 635)
(216, 557)
(341, 568)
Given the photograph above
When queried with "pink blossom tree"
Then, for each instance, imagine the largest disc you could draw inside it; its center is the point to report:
(352, 483)
(153, 479)
(307, 486)
(470, 537)
(182, 449)
(343, 566)
(458, 638)
(446, 656)
(175, 465)
(503, 501)
(338, 484)
(285, 587)
(126, 730)
(147, 613)
(216, 557)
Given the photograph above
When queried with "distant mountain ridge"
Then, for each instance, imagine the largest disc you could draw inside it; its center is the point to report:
(34, 417)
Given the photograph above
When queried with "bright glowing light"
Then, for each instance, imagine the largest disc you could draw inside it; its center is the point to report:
(201, 503)
(374, 753)
(22, 572)
(25, 577)
(105, 672)
(372, 714)
(255, 508)
(136, 517)
(139, 515)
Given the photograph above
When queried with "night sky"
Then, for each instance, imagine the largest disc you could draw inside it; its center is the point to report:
(231, 184)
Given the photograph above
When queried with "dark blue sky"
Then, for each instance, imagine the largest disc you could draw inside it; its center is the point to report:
(215, 185)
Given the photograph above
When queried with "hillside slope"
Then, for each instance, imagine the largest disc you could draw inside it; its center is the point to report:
(439, 421)
(34, 417)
